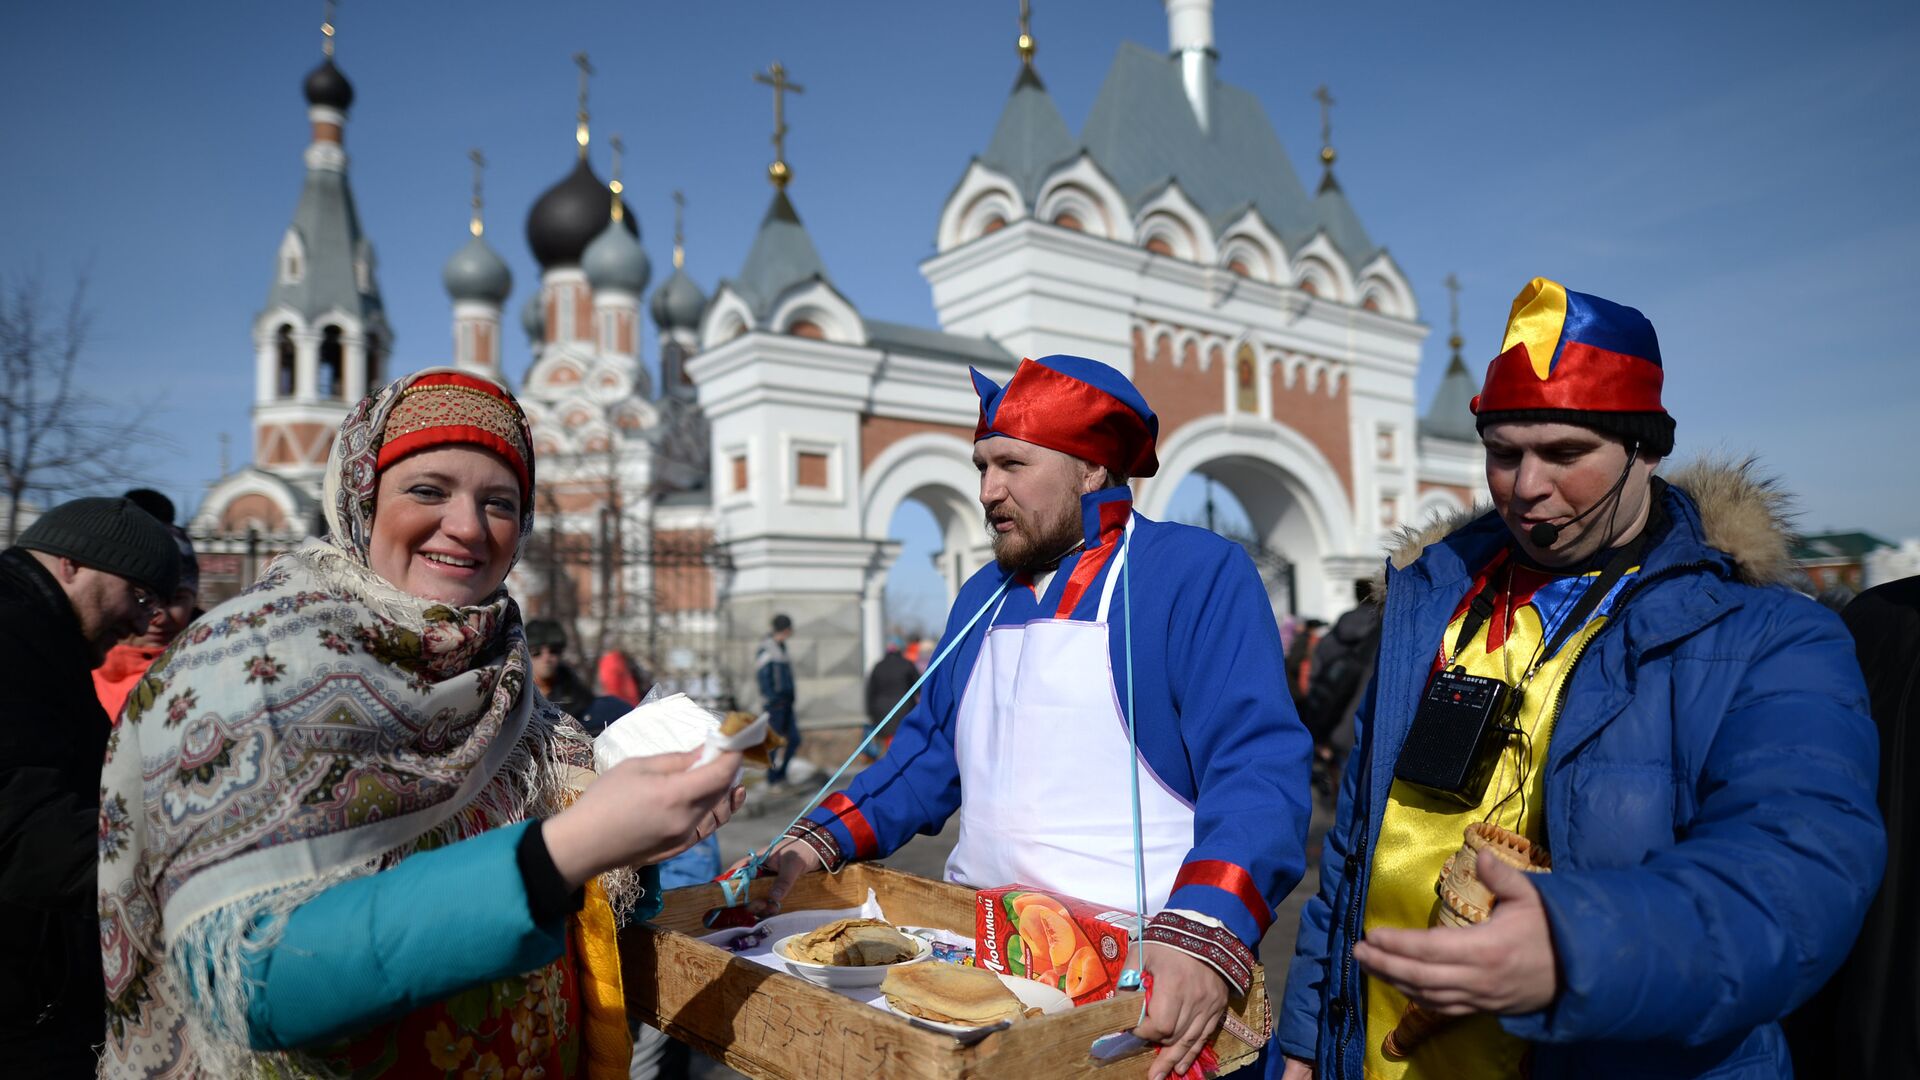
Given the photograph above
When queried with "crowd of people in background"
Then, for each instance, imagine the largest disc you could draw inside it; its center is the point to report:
(1770, 796)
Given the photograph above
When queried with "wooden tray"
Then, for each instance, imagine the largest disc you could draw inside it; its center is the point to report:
(774, 1026)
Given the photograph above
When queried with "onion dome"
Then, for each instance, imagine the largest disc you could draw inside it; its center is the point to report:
(476, 272)
(533, 317)
(326, 86)
(678, 303)
(568, 217)
(615, 260)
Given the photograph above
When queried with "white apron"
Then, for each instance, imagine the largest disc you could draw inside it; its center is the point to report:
(1044, 769)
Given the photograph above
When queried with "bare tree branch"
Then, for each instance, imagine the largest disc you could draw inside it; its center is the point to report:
(57, 437)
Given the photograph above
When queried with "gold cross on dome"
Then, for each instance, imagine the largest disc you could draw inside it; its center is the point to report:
(479, 167)
(776, 77)
(1325, 98)
(1453, 310)
(614, 185)
(1026, 33)
(679, 234)
(580, 131)
(326, 30)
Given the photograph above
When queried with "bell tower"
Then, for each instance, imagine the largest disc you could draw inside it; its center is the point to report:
(322, 340)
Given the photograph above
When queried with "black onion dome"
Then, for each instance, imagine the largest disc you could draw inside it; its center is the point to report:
(567, 218)
(326, 86)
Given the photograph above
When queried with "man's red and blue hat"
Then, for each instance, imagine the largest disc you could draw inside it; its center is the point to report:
(1572, 358)
(1076, 406)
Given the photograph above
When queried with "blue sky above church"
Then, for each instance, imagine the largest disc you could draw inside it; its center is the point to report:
(1748, 196)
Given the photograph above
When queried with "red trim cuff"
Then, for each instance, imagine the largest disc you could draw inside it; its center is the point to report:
(1215, 946)
(1221, 874)
(865, 844)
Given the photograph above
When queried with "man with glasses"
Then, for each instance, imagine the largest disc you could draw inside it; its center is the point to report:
(85, 575)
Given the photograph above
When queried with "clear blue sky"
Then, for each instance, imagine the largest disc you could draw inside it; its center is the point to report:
(1742, 172)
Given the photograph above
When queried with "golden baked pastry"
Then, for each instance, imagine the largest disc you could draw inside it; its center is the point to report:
(735, 722)
(950, 994)
(854, 943)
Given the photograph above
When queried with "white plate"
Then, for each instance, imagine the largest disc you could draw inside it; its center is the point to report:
(1034, 995)
(844, 976)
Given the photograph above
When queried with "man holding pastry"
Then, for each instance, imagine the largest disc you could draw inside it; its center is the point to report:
(1023, 729)
(1611, 806)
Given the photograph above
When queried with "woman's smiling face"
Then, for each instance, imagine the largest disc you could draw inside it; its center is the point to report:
(446, 524)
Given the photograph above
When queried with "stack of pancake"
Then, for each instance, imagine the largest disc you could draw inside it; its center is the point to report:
(950, 994)
(854, 943)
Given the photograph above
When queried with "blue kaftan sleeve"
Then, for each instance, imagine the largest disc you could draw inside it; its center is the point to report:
(383, 945)
(1248, 750)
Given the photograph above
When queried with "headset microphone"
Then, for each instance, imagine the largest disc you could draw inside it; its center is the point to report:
(1546, 534)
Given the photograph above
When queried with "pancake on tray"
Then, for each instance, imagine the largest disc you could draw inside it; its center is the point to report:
(854, 943)
(950, 994)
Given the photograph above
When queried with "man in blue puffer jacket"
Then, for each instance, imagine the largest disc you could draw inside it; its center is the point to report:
(1693, 786)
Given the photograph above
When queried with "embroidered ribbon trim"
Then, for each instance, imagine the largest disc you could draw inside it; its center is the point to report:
(1217, 947)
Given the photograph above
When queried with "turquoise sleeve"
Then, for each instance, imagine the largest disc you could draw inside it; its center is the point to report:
(383, 945)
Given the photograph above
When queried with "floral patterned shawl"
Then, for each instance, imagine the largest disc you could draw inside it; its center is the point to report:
(318, 727)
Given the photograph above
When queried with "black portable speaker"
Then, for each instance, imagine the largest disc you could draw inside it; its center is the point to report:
(1455, 739)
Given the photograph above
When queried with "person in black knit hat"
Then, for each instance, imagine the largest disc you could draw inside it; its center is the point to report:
(85, 575)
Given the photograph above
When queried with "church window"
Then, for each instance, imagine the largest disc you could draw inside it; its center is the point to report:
(328, 381)
(623, 343)
(1307, 286)
(1238, 267)
(1385, 449)
(1371, 303)
(292, 259)
(994, 225)
(1246, 395)
(739, 463)
(1067, 219)
(1159, 246)
(806, 328)
(553, 317)
(810, 470)
(284, 363)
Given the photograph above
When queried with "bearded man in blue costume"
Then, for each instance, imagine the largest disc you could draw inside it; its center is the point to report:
(1023, 732)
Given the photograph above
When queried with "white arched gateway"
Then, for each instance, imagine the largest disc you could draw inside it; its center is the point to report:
(934, 469)
(1294, 499)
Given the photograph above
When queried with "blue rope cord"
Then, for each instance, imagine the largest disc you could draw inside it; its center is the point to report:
(735, 886)
(1131, 977)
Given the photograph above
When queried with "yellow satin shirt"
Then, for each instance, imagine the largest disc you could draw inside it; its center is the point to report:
(1419, 831)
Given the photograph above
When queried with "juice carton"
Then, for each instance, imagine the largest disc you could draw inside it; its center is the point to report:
(1071, 944)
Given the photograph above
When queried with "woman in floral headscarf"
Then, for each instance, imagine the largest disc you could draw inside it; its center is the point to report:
(336, 835)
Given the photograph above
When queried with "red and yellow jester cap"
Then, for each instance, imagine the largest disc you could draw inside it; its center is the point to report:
(1076, 406)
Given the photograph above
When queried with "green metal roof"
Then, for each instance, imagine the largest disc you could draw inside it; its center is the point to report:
(1836, 545)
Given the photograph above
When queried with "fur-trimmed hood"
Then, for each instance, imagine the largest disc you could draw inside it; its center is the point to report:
(1743, 512)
